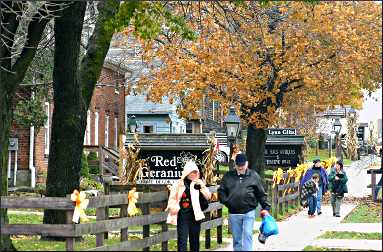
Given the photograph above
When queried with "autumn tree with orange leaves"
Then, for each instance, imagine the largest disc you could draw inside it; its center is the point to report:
(268, 58)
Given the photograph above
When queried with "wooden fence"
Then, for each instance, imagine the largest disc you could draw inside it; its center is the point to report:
(104, 224)
(283, 195)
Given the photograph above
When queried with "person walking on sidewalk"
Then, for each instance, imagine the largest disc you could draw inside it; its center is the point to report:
(187, 200)
(337, 186)
(323, 182)
(240, 191)
(310, 192)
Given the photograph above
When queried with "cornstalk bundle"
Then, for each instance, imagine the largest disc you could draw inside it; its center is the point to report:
(351, 138)
(130, 165)
(209, 162)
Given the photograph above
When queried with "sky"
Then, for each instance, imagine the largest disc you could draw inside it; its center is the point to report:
(372, 109)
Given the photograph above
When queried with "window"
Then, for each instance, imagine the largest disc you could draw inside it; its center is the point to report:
(115, 133)
(107, 131)
(87, 131)
(148, 129)
(95, 128)
(46, 129)
(189, 127)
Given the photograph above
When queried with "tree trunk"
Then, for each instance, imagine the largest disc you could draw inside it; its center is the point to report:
(69, 115)
(73, 89)
(255, 149)
(5, 126)
(10, 78)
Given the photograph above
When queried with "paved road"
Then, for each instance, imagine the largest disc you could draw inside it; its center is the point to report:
(358, 179)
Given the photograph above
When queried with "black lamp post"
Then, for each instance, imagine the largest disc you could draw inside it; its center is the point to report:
(232, 123)
(337, 126)
(352, 112)
(132, 124)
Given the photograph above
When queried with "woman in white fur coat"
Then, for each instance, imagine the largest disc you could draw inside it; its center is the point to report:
(184, 206)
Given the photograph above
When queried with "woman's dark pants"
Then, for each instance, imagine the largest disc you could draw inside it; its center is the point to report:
(187, 226)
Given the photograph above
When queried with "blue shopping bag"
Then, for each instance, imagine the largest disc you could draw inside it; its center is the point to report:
(269, 226)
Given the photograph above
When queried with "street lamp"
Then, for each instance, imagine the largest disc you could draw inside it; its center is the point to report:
(132, 124)
(232, 123)
(337, 126)
(352, 113)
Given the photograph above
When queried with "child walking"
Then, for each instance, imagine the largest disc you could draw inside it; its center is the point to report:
(310, 190)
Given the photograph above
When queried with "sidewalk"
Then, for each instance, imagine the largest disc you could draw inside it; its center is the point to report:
(298, 231)
(375, 245)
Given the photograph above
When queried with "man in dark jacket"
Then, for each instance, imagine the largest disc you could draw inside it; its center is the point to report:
(240, 191)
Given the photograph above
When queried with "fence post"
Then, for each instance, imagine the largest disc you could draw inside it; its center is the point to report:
(106, 192)
(100, 215)
(69, 241)
(286, 199)
(219, 228)
(164, 228)
(280, 202)
(275, 201)
(146, 228)
(207, 233)
(124, 231)
(373, 185)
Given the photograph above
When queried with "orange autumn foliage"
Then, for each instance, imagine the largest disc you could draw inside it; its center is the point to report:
(323, 54)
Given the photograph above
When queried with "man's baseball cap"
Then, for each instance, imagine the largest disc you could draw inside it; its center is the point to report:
(240, 159)
(316, 160)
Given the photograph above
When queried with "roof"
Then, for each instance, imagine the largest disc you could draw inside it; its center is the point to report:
(170, 141)
(363, 125)
(285, 140)
(336, 112)
(137, 104)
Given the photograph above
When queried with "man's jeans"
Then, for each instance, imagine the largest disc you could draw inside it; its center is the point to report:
(312, 202)
(242, 229)
(319, 199)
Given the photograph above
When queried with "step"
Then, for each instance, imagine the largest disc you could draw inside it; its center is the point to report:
(374, 245)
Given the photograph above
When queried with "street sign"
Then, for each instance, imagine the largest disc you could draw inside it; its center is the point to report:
(282, 155)
(166, 154)
(165, 166)
(282, 132)
(283, 148)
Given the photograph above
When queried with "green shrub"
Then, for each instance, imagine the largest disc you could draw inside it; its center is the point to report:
(84, 166)
(90, 184)
(92, 156)
(40, 189)
(312, 142)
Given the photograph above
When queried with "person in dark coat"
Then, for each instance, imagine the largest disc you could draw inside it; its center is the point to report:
(240, 191)
(337, 186)
(323, 181)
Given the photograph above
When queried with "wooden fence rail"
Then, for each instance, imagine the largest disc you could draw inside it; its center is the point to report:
(283, 195)
(104, 225)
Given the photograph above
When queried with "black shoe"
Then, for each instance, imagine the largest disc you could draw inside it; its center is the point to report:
(333, 214)
(319, 213)
(338, 215)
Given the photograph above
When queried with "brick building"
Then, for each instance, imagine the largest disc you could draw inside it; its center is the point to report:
(28, 156)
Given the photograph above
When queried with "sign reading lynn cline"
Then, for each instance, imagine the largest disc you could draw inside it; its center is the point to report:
(165, 166)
